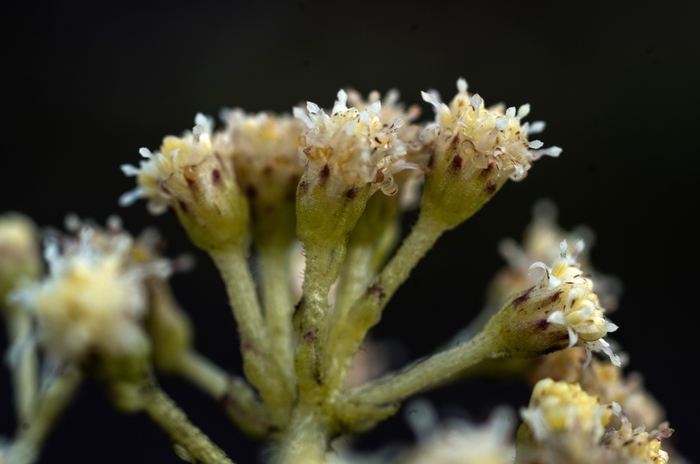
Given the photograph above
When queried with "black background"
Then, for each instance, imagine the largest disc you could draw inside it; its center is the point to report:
(87, 86)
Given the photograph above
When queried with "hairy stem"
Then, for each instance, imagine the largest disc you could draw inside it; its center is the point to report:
(279, 306)
(206, 375)
(259, 366)
(189, 442)
(25, 366)
(366, 312)
(304, 442)
(50, 404)
(426, 373)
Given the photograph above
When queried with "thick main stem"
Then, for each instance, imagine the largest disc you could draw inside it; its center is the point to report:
(305, 440)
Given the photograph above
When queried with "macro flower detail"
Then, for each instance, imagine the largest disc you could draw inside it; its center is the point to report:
(484, 135)
(354, 144)
(637, 446)
(475, 150)
(93, 299)
(581, 315)
(265, 151)
(191, 177)
(561, 406)
(162, 176)
(310, 254)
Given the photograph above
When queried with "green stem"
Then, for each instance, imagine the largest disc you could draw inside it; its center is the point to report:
(366, 312)
(49, 405)
(427, 373)
(189, 442)
(322, 269)
(206, 375)
(24, 373)
(279, 306)
(304, 442)
(259, 366)
(233, 266)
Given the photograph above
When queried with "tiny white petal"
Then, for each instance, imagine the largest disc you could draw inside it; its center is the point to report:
(535, 127)
(312, 107)
(461, 85)
(130, 170)
(128, 198)
(524, 110)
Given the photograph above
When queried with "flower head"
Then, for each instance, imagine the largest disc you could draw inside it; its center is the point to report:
(475, 150)
(636, 446)
(561, 307)
(352, 153)
(93, 299)
(265, 152)
(581, 314)
(354, 144)
(562, 424)
(190, 176)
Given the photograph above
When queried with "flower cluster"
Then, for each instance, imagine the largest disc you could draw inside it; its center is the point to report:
(581, 313)
(93, 299)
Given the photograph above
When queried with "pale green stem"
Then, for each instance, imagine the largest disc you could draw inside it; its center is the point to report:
(260, 368)
(233, 266)
(24, 373)
(355, 275)
(189, 442)
(322, 269)
(49, 405)
(206, 375)
(426, 373)
(304, 442)
(279, 306)
(366, 312)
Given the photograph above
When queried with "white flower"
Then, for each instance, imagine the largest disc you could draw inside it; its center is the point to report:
(487, 135)
(176, 154)
(355, 144)
(93, 297)
(581, 315)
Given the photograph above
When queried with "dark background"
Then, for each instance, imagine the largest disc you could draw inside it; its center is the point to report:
(87, 86)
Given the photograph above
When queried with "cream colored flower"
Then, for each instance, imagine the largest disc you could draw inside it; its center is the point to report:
(458, 441)
(561, 407)
(354, 145)
(93, 299)
(581, 313)
(265, 152)
(169, 165)
(636, 446)
(486, 136)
